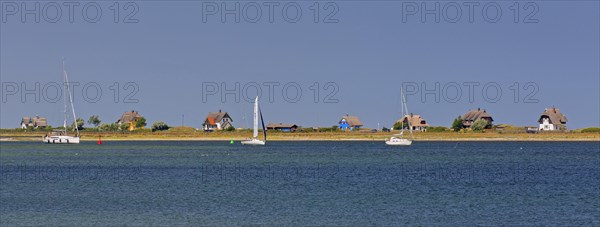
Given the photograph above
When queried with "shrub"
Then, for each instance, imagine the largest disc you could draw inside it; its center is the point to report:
(593, 129)
(479, 125)
(140, 123)
(437, 129)
(159, 126)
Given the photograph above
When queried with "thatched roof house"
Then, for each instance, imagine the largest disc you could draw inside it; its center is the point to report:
(350, 122)
(552, 119)
(416, 121)
(36, 122)
(282, 127)
(473, 115)
(130, 118)
(217, 121)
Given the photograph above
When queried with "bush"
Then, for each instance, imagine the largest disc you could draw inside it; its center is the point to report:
(479, 125)
(306, 130)
(593, 129)
(140, 123)
(159, 126)
(230, 129)
(398, 125)
(437, 129)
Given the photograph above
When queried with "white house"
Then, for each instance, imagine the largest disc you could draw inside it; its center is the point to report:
(552, 119)
(217, 121)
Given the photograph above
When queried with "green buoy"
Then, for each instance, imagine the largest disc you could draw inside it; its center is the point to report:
(231, 142)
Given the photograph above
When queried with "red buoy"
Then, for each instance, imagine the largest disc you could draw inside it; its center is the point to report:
(99, 140)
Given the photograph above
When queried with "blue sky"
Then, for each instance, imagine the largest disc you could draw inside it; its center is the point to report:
(170, 53)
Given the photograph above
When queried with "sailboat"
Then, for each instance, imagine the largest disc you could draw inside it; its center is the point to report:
(255, 140)
(61, 136)
(398, 139)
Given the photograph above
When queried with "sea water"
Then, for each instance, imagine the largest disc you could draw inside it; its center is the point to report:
(300, 183)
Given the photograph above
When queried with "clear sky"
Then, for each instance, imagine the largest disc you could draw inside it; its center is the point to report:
(174, 53)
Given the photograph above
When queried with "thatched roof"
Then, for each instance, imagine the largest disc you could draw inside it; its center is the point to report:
(213, 117)
(415, 120)
(129, 116)
(280, 125)
(36, 121)
(477, 114)
(352, 120)
(555, 116)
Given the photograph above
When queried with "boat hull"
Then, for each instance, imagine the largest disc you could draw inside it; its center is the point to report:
(398, 142)
(253, 142)
(61, 140)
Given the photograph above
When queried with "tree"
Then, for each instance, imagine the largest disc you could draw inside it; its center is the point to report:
(479, 125)
(79, 122)
(122, 127)
(159, 126)
(398, 125)
(457, 124)
(140, 123)
(94, 120)
(105, 127)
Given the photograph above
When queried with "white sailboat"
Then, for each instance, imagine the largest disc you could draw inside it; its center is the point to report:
(255, 140)
(398, 139)
(61, 136)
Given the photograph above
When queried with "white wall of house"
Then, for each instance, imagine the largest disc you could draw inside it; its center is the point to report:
(546, 126)
(419, 128)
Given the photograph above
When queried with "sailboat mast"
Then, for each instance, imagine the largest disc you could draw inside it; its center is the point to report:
(65, 96)
(255, 133)
(406, 108)
(71, 101)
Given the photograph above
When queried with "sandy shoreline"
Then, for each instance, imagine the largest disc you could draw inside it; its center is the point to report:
(309, 139)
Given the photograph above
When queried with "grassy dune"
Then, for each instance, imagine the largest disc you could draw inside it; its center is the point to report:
(311, 136)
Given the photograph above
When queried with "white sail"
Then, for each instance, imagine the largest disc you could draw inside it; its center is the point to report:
(255, 133)
(255, 140)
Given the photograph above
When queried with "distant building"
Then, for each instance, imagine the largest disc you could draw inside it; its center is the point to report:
(470, 117)
(217, 121)
(282, 127)
(350, 123)
(130, 119)
(35, 122)
(417, 123)
(552, 119)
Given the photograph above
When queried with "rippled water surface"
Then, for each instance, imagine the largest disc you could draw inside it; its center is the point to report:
(300, 183)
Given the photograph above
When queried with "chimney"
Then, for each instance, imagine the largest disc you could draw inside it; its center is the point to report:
(219, 110)
(478, 109)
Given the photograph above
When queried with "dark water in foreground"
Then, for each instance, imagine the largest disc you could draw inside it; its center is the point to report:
(300, 183)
